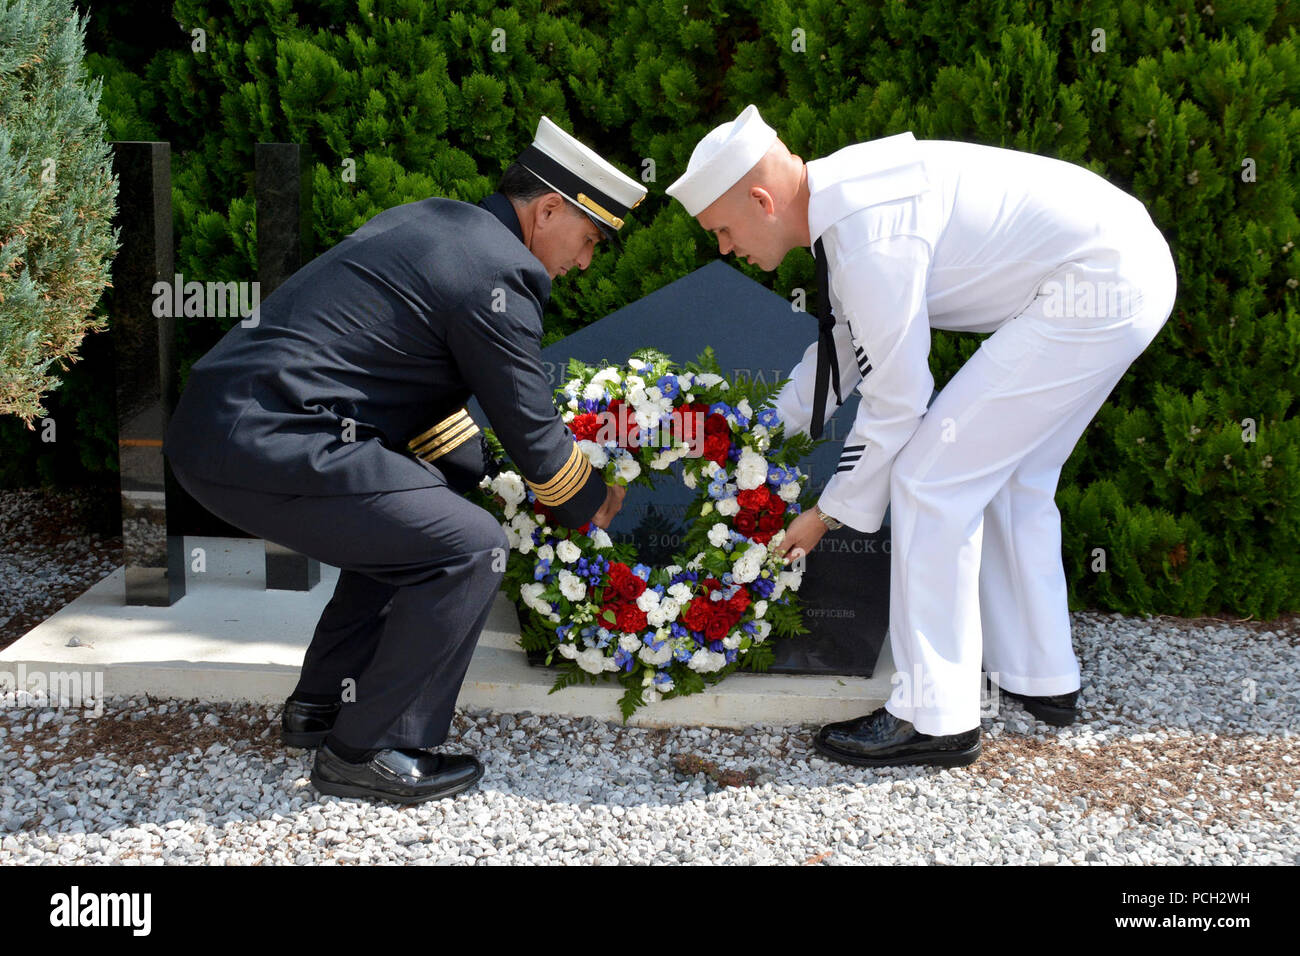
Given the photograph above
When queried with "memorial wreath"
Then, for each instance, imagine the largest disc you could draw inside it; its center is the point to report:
(589, 604)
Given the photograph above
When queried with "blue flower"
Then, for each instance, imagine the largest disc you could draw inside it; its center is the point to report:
(668, 385)
(663, 677)
(776, 475)
(543, 568)
(623, 659)
(717, 488)
(682, 654)
(720, 408)
(768, 418)
(641, 571)
(795, 508)
(562, 631)
(731, 654)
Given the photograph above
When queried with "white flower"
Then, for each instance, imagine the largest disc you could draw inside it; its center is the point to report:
(648, 599)
(572, 587)
(749, 564)
(680, 592)
(731, 641)
(791, 579)
(705, 661)
(761, 630)
(593, 661)
(751, 470)
(546, 553)
(695, 563)
(728, 507)
(510, 486)
(708, 379)
(630, 643)
(671, 607)
(760, 608)
(600, 538)
(567, 551)
(512, 536)
(788, 492)
(719, 534)
(597, 455)
(530, 594)
(688, 479)
(744, 408)
(648, 655)
(568, 650)
(594, 392)
(636, 363)
(711, 467)
(628, 468)
(608, 374)
(573, 386)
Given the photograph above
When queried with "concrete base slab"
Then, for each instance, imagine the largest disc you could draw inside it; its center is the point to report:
(229, 639)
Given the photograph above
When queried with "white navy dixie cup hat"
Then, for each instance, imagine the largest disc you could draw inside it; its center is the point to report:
(721, 160)
(582, 177)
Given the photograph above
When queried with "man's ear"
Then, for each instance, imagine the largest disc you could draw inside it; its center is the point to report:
(764, 198)
(549, 207)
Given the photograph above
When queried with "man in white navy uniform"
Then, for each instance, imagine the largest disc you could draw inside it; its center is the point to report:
(1074, 281)
(336, 426)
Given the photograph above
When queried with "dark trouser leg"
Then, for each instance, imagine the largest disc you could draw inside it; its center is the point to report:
(442, 555)
(346, 635)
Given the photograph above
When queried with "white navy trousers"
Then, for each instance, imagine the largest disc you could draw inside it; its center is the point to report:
(976, 574)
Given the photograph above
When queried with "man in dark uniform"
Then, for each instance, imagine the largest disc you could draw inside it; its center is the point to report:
(310, 427)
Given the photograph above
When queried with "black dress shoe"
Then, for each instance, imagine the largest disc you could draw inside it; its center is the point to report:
(404, 776)
(306, 725)
(1058, 709)
(882, 740)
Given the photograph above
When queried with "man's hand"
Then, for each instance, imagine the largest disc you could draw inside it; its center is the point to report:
(614, 495)
(801, 537)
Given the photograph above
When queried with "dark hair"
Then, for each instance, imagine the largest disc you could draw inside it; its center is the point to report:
(520, 185)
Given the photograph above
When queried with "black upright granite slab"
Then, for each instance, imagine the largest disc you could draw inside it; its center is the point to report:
(755, 334)
(145, 392)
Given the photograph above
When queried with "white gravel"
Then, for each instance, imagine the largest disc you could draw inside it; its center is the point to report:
(1186, 752)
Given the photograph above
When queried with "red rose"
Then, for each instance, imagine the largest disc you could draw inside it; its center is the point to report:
(687, 422)
(739, 602)
(541, 509)
(717, 424)
(716, 448)
(585, 426)
(712, 584)
(631, 618)
(696, 615)
(753, 499)
(762, 537)
(770, 522)
(775, 504)
(745, 522)
(625, 583)
(625, 424)
(719, 623)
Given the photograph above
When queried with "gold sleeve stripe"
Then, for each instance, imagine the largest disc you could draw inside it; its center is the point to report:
(450, 445)
(455, 418)
(561, 495)
(447, 440)
(566, 481)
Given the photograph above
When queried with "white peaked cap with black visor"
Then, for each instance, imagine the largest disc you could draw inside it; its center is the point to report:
(582, 177)
(721, 160)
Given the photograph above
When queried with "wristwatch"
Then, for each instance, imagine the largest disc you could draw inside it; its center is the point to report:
(831, 523)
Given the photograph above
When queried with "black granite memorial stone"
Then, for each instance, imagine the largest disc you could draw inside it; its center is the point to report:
(755, 334)
(145, 391)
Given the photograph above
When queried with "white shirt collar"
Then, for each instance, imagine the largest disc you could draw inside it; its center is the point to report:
(862, 175)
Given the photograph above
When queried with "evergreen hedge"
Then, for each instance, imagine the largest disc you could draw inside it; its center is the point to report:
(1187, 479)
